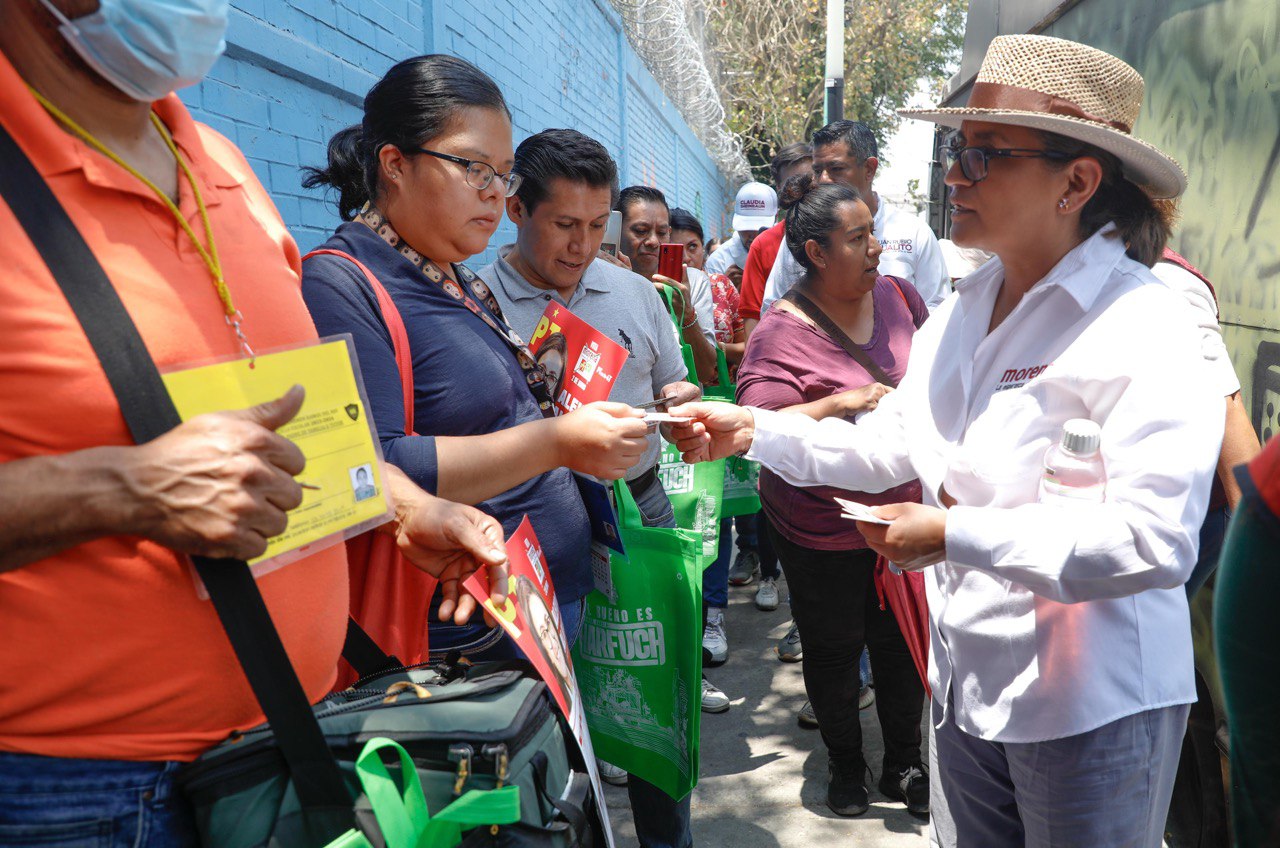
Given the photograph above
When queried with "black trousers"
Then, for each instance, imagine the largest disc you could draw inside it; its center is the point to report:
(833, 600)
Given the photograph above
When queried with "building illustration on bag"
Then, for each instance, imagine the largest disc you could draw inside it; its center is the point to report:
(615, 703)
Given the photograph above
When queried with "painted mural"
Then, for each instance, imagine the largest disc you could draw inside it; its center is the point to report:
(1212, 70)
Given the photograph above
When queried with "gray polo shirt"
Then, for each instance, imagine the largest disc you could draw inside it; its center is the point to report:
(622, 305)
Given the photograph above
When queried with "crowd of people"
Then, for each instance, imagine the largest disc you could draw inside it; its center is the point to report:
(1059, 667)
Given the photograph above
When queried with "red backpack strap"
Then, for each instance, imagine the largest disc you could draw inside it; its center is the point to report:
(897, 284)
(1175, 258)
(395, 325)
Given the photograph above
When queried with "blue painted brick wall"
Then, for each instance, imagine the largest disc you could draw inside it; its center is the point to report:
(296, 72)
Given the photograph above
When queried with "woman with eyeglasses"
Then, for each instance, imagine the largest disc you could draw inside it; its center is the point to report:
(421, 183)
(1060, 651)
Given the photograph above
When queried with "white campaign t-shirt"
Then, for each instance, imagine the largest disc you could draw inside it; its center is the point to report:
(732, 252)
(910, 250)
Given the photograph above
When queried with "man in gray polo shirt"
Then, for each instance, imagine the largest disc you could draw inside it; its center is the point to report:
(560, 210)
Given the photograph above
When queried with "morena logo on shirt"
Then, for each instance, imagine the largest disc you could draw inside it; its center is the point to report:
(1013, 378)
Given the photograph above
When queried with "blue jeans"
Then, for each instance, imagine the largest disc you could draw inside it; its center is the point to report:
(715, 578)
(55, 802)
(1212, 533)
(661, 821)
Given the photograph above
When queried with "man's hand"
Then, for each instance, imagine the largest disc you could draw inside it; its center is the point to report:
(734, 273)
(917, 538)
(218, 485)
(717, 430)
(681, 300)
(602, 439)
(447, 540)
(621, 260)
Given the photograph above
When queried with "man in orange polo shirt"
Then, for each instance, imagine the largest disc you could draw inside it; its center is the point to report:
(113, 670)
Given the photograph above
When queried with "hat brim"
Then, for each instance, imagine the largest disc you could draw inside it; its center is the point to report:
(752, 222)
(1156, 173)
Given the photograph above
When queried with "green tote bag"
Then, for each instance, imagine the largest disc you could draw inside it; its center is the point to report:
(639, 661)
(741, 494)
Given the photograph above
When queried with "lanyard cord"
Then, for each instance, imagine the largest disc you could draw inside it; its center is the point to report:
(210, 255)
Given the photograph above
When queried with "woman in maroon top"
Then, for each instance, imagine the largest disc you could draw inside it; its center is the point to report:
(794, 364)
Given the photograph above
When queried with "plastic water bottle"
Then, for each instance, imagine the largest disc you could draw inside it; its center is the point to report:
(1073, 469)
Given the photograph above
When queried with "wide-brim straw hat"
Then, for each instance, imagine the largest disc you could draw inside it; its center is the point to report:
(1070, 89)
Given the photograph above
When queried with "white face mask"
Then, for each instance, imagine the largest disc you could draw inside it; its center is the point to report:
(148, 48)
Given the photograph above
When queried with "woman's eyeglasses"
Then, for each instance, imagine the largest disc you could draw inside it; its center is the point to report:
(480, 174)
(974, 160)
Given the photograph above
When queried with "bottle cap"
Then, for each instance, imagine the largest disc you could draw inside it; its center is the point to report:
(1081, 436)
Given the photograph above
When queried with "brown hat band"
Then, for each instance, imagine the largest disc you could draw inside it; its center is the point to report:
(995, 95)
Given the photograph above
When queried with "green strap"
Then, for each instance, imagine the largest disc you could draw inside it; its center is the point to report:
(686, 349)
(477, 807)
(401, 811)
(625, 504)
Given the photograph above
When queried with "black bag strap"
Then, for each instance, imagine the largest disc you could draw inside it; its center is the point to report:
(149, 412)
(839, 336)
(363, 654)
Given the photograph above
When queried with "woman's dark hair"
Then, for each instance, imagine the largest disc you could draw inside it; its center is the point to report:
(1144, 224)
(567, 154)
(682, 219)
(812, 213)
(413, 103)
(638, 194)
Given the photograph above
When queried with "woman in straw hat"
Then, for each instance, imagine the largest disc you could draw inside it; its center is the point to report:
(1060, 660)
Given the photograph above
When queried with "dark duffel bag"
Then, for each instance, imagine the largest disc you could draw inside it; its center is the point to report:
(480, 727)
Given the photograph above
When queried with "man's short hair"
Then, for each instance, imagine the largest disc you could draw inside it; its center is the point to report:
(859, 138)
(638, 194)
(567, 154)
(792, 154)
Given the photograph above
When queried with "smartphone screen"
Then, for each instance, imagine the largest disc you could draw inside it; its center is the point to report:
(671, 261)
(612, 234)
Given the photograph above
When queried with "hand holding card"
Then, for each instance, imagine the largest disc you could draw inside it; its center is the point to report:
(855, 511)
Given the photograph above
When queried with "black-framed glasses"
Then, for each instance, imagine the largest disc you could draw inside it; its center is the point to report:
(974, 160)
(480, 174)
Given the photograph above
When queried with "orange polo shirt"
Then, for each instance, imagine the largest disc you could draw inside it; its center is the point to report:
(105, 649)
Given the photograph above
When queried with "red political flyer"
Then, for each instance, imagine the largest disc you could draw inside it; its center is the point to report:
(581, 362)
(531, 616)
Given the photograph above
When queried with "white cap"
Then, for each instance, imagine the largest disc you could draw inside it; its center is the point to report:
(755, 208)
(1081, 436)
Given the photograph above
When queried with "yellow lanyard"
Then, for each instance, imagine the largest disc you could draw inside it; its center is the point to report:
(210, 255)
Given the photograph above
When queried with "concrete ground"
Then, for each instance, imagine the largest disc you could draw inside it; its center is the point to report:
(764, 778)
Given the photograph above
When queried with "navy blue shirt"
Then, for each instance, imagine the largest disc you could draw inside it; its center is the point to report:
(467, 381)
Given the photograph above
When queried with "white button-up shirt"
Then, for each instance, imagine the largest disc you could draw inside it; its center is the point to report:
(1046, 620)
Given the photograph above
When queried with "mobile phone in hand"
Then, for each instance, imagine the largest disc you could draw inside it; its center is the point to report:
(612, 234)
(671, 261)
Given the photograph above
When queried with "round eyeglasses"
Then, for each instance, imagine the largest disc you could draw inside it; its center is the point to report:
(974, 160)
(480, 174)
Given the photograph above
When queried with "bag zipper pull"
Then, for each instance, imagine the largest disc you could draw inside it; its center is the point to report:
(461, 754)
(501, 760)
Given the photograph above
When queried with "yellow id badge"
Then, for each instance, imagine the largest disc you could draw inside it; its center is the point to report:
(344, 493)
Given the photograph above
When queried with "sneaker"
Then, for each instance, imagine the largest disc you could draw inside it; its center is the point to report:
(767, 594)
(789, 649)
(866, 697)
(909, 785)
(744, 568)
(846, 790)
(610, 773)
(713, 700)
(806, 716)
(715, 644)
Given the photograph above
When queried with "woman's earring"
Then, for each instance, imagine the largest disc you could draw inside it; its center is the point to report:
(1062, 204)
